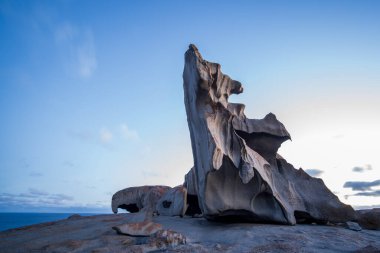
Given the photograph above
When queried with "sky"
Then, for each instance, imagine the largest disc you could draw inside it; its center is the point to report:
(91, 95)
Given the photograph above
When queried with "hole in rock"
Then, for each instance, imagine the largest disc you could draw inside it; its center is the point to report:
(241, 216)
(305, 218)
(132, 208)
(166, 204)
(193, 206)
(264, 144)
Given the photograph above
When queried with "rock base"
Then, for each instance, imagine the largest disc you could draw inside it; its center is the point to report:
(95, 234)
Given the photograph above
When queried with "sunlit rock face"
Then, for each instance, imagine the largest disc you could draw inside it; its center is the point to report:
(237, 172)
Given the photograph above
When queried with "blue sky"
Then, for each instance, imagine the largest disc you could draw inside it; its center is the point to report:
(91, 95)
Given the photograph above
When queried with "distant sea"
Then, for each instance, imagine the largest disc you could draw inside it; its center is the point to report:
(15, 220)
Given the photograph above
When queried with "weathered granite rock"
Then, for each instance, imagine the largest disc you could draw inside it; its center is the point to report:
(144, 228)
(190, 182)
(94, 234)
(173, 202)
(369, 219)
(134, 199)
(237, 172)
(161, 200)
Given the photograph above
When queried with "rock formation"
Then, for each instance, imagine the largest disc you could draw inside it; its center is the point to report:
(134, 199)
(237, 172)
(173, 202)
(158, 199)
(369, 219)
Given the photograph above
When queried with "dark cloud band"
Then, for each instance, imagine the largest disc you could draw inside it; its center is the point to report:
(361, 186)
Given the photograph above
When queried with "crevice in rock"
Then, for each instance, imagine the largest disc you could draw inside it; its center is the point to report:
(305, 218)
(265, 144)
(132, 208)
(193, 205)
(241, 216)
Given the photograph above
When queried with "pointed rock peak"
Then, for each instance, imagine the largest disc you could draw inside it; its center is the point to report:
(193, 47)
(270, 116)
(194, 50)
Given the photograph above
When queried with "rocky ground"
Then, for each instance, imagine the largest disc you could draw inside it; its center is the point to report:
(98, 234)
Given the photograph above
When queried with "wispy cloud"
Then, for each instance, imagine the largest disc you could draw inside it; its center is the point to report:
(105, 135)
(128, 134)
(365, 194)
(368, 194)
(79, 47)
(314, 172)
(86, 55)
(361, 186)
(37, 192)
(362, 169)
(74, 43)
(35, 198)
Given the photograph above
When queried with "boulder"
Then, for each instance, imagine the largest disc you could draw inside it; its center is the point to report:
(237, 172)
(134, 199)
(162, 200)
(369, 219)
(352, 226)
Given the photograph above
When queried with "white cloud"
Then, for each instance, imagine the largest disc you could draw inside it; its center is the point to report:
(362, 168)
(86, 56)
(129, 134)
(105, 135)
(78, 48)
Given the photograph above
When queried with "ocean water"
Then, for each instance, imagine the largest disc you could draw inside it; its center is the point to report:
(15, 220)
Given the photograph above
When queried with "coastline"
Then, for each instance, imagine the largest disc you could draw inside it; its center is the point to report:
(12, 220)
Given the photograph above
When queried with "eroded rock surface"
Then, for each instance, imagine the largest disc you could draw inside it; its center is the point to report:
(134, 199)
(173, 202)
(237, 172)
(95, 234)
(160, 200)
